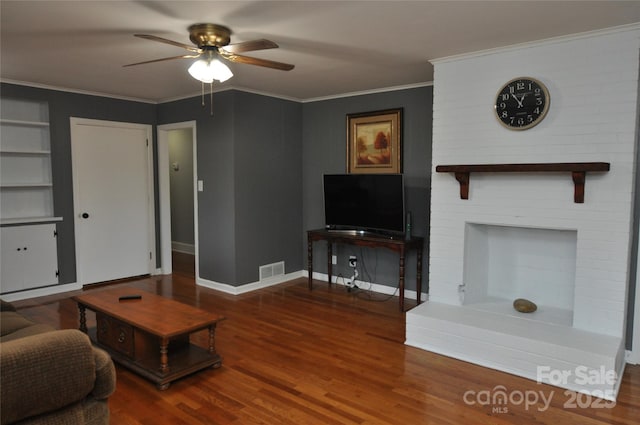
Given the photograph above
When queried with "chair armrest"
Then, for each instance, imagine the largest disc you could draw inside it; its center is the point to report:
(6, 306)
(44, 372)
(105, 383)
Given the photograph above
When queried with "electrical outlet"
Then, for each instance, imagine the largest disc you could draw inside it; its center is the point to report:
(353, 261)
(334, 259)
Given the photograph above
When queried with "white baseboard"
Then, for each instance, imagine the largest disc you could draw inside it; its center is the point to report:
(41, 292)
(183, 247)
(375, 287)
(249, 287)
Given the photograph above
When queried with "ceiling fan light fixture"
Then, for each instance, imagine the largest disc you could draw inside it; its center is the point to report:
(210, 68)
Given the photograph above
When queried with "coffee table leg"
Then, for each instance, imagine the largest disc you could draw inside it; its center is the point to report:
(83, 317)
(212, 339)
(212, 345)
(164, 355)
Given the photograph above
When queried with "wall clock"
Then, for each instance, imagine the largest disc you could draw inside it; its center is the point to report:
(522, 103)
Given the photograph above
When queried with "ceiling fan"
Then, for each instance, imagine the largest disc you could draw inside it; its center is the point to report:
(211, 42)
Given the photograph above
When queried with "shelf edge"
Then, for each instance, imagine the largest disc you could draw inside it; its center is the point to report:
(28, 220)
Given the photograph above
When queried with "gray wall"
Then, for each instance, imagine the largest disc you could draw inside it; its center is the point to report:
(249, 160)
(214, 138)
(324, 151)
(62, 106)
(268, 189)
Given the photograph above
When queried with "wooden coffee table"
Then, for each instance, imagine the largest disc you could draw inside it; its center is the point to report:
(150, 335)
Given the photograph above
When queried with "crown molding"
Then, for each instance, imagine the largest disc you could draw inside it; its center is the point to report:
(372, 91)
(309, 100)
(553, 40)
(218, 89)
(77, 91)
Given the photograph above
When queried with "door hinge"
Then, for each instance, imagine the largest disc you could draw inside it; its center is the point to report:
(55, 233)
(147, 142)
(57, 273)
(150, 256)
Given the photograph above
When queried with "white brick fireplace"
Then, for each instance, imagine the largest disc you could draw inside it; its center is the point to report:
(521, 235)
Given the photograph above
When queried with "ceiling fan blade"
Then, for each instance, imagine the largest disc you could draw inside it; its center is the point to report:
(166, 41)
(163, 59)
(255, 61)
(248, 46)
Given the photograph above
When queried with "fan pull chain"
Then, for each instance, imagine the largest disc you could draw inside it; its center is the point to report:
(210, 96)
(203, 94)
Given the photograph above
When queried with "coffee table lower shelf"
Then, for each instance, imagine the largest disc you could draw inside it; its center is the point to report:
(183, 359)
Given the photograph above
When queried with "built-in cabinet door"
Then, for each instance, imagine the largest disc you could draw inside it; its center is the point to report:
(11, 278)
(29, 257)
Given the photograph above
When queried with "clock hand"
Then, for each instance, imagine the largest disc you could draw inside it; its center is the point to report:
(520, 101)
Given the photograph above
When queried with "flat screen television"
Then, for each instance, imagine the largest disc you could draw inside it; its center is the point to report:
(364, 202)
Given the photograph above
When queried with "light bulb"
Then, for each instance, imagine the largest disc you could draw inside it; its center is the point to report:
(210, 68)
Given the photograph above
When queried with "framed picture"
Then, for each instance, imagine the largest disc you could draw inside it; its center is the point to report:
(374, 142)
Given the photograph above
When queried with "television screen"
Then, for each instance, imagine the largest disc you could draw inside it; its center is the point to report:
(369, 202)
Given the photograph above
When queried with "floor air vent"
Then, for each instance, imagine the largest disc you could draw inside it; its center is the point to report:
(271, 270)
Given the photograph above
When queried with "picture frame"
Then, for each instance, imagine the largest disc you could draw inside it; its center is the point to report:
(374, 142)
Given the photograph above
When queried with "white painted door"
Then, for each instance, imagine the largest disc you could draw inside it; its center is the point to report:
(113, 199)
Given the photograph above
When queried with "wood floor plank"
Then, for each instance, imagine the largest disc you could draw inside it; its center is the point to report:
(327, 356)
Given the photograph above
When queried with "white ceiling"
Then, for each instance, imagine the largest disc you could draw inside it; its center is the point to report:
(337, 46)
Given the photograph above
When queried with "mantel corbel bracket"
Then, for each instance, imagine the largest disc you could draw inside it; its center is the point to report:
(578, 172)
(463, 179)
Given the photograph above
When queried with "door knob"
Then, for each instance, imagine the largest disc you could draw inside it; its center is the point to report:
(85, 215)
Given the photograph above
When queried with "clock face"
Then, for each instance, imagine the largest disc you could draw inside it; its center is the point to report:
(522, 103)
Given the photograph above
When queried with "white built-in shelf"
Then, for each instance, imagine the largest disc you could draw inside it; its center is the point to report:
(26, 186)
(24, 152)
(29, 220)
(25, 123)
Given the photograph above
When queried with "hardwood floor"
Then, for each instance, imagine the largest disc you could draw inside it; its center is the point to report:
(291, 356)
(183, 264)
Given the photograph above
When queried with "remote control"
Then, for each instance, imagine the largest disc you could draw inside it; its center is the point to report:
(130, 297)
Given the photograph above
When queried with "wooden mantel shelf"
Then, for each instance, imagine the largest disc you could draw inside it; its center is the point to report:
(578, 172)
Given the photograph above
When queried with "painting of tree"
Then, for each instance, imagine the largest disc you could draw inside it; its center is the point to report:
(374, 142)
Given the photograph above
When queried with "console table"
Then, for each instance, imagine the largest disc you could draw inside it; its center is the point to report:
(398, 244)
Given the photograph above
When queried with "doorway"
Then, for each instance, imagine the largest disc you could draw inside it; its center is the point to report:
(177, 173)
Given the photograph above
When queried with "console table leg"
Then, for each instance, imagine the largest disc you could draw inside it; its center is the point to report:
(310, 261)
(329, 262)
(401, 283)
(419, 274)
(83, 317)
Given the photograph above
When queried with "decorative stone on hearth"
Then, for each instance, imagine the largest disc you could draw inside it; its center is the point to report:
(524, 306)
